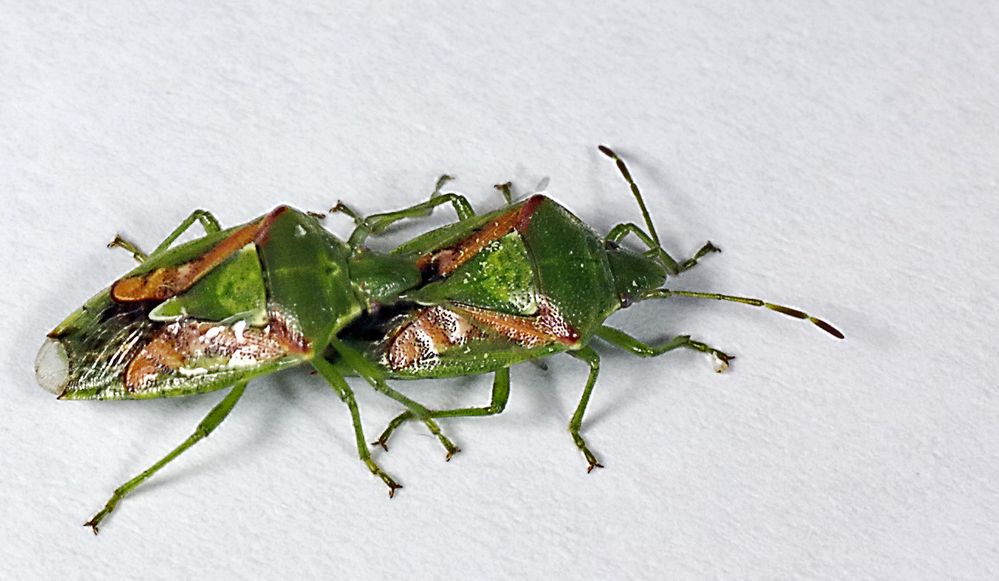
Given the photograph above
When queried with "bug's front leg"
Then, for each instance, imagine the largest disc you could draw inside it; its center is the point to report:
(339, 384)
(591, 358)
(691, 262)
(500, 395)
(207, 425)
(622, 340)
(674, 267)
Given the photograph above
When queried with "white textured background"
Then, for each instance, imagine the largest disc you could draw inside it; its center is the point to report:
(843, 154)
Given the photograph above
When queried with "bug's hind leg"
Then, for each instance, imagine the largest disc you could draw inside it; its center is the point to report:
(500, 395)
(207, 425)
(376, 224)
(339, 384)
(625, 341)
(591, 358)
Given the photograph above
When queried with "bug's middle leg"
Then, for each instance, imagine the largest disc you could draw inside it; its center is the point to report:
(207, 425)
(500, 395)
(591, 358)
(339, 384)
(371, 374)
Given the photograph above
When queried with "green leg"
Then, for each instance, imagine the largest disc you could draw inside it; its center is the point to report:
(507, 191)
(501, 393)
(339, 385)
(691, 262)
(591, 358)
(373, 376)
(625, 341)
(378, 223)
(619, 232)
(207, 220)
(211, 421)
(120, 242)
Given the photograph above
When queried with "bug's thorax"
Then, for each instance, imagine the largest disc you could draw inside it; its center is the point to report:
(381, 278)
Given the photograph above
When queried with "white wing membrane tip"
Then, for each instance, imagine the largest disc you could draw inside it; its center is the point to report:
(52, 367)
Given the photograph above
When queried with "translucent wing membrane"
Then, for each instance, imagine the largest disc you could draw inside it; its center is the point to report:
(115, 351)
(163, 331)
(85, 358)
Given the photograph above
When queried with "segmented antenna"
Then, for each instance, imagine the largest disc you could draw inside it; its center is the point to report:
(663, 293)
(634, 190)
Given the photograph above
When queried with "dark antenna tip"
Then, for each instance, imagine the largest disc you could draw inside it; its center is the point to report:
(795, 313)
(634, 191)
(829, 328)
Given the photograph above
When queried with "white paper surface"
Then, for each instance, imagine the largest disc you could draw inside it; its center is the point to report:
(843, 155)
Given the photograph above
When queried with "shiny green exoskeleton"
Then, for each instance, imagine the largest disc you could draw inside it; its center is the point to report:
(518, 284)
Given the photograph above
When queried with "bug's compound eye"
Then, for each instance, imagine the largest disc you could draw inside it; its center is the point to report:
(52, 366)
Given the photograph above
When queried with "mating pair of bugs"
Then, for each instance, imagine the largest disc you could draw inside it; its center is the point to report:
(477, 296)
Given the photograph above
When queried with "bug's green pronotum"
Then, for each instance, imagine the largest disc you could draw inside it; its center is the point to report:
(477, 296)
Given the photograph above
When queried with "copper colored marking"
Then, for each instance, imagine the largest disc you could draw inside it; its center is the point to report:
(424, 337)
(446, 260)
(209, 347)
(548, 326)
(527, 211)
(431, 332)
(169, 281)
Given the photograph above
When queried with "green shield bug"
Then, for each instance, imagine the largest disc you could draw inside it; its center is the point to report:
(522, 283)
(220, 310)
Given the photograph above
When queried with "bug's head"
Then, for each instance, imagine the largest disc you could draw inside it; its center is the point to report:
(634, 273)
